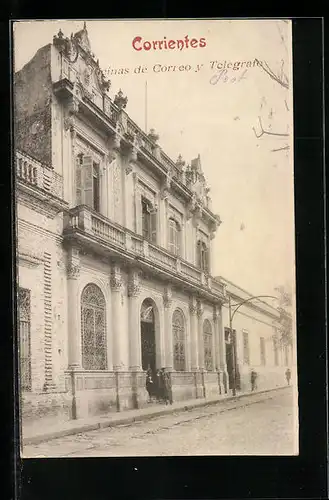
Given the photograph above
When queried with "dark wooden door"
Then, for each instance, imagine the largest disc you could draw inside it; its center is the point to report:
(148, 346)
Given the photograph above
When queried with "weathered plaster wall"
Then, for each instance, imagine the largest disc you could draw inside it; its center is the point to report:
(32, 101)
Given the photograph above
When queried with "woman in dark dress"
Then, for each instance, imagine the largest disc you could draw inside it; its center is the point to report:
(167, 387)
(160, 386)
(149, 384)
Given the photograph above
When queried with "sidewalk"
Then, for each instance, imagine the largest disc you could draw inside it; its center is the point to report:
(36, 433)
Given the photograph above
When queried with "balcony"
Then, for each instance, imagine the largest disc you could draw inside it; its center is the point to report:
(35, 176)
(102, 236)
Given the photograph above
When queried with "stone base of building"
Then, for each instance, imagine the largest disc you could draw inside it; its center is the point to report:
(211, 384)
(183, 386)
(266, 379)
(49, 406)
(90, 394)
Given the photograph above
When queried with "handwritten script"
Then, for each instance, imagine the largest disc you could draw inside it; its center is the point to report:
(224, 76)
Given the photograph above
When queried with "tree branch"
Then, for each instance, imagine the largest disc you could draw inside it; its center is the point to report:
(284, 82)
(266, 132)
(281, 149)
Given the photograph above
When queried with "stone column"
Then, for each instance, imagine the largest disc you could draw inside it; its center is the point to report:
(217, 347)
(73, 326)
(73, 306)
(167, 301)
(201, 381)
(222, 350)
(194, 334)
(138, 380)
(200, 335)
(135, 355)
(116, 290)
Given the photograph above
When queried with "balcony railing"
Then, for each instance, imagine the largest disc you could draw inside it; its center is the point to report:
(34, 173)
(98, 227)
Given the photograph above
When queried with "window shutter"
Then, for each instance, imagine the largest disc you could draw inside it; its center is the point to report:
(206, 259)
(171, 247)
(199, 254)
(78, 181)
(87, 181)
(138, 214)
(153, 217)
(178, 237)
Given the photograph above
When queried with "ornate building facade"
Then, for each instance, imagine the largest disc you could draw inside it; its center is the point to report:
(114, 248)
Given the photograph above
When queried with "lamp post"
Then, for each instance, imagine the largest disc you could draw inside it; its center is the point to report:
(231, 316)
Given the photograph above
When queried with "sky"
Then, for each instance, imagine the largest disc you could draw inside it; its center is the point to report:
(198, 112)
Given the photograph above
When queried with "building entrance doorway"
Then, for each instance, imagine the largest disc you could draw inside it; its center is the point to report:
(148, 344)
(231, 359)
(148, 336)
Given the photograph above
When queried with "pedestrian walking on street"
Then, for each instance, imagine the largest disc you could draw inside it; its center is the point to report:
(167, 387)
(288, 375)
(253, 380)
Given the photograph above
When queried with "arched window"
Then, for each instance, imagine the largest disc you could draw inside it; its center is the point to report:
(93, 328)
(202, 256)
(178, 329)
(207, 342)
(174, 237)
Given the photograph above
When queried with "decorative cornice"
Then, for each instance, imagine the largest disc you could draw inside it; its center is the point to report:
(134, 286)
(120, 100)
(153, 136)
(29, 259)
(73, 270)
(167, 297)
(216, 314)
(193, 306)
(200, 309)
(116, 278)
(129, 168)
(42, 203)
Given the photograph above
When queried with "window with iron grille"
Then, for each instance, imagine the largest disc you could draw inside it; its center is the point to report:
(178, 329)
(207, 342)
(246, 353)
(276, 351)
(262, 351)
(93, 328)
(24, 321)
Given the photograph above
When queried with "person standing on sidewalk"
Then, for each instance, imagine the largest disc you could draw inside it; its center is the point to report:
(288, 375)
(149, 384)
(167, 387)
(253, 380)
(160, 386)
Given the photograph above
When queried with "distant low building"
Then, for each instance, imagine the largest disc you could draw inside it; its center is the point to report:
(258, 342)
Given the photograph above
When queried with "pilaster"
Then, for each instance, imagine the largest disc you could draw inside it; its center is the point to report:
(221, 348)
(200, 311)
(194, 334)
(167, 302)
(116, 290)
(74, 340)
(134, 288)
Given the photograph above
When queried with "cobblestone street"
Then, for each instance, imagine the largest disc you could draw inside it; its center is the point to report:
(261, 424)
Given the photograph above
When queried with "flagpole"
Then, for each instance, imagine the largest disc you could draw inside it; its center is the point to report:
(146, 107)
